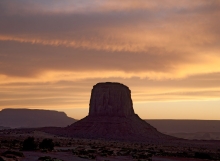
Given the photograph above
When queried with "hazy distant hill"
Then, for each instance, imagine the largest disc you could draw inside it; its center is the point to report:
(189, 129)
(16, 118)
(2, 127)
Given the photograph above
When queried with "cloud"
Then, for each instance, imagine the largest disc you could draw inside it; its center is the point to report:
(25, 62)
(164, 50)
(76, 94)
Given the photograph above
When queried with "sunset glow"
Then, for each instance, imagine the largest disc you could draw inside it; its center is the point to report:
(167, 52)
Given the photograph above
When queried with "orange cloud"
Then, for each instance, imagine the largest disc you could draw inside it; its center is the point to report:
(55, 51)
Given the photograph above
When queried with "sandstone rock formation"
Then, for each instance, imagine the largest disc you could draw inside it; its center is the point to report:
(111, 117)
(29, 118)
(111, 99)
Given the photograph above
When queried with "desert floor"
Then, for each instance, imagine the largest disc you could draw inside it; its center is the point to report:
(72, 149)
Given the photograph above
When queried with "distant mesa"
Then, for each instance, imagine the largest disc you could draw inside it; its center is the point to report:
(2, 127)
(111, 117)
(28, 118)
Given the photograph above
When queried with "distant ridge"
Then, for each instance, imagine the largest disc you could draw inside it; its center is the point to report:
(189, 129)
(187, 126)
(28, 118)
(2, 127)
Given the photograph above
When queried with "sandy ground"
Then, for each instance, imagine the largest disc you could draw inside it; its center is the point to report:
(65, 156)
(174, 159)
(68, 156)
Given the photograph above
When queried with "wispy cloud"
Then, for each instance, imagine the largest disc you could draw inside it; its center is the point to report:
(171, 48)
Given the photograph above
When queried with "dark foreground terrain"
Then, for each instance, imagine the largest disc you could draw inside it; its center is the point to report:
(67, 149)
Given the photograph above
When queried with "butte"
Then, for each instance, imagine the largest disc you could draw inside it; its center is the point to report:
(111, 117)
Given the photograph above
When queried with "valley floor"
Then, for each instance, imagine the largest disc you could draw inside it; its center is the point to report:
(70, 149)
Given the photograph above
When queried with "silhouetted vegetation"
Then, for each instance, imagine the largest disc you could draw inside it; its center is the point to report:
(1, 159)
(29, 144)
(202, 155)
(47, 144)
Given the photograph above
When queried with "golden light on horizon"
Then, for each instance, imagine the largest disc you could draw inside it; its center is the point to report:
(52, 53)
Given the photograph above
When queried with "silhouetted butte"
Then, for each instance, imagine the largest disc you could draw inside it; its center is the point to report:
(111, 117)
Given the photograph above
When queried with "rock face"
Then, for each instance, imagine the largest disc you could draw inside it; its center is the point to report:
(28, 118)
(111, 99)
(111, 117)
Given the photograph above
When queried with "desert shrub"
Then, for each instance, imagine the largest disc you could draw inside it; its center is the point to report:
(46, 158)
(57, 144)
(92, 156)
(202, 155)
(91, 151)
(29, 144)
(4, 141)
(83, 152)
(47, 144)
(14, 142)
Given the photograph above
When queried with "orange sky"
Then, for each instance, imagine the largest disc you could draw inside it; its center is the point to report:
(168, 53)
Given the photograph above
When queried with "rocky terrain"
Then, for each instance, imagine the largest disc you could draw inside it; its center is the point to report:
(111, 117)
(27, 118)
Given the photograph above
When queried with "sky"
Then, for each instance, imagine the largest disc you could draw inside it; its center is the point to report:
(167, 52)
